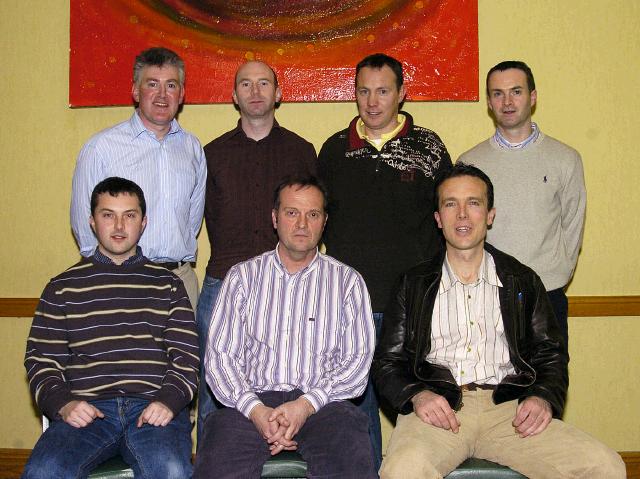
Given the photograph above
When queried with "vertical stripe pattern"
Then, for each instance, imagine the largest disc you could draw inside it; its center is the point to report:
(171, 172)
(467, 332)
(273, 331)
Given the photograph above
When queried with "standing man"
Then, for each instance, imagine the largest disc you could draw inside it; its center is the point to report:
(167, 162)
(471, 357)
(380, 174)
(541, 197)
(244, 166)
(291, 341)
(112, 356)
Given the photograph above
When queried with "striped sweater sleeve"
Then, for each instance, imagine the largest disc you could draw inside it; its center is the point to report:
(47, 354)
(181, 343)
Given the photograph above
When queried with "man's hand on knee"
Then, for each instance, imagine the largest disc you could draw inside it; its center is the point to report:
(434, 409)
(155, 414)
(532, 416)
(272, 431)
(79, 413)
(293, 415)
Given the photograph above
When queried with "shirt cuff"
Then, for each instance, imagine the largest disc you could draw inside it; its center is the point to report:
(317, 397)
(247, 402)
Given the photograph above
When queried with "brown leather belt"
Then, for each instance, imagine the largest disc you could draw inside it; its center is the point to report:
(475, 387)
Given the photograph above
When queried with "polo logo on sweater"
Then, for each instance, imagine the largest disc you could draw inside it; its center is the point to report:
(545, 179)
(408, 176)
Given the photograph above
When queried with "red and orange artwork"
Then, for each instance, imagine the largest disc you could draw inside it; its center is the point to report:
(313, 45)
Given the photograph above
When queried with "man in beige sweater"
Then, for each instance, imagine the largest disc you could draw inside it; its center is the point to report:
(539, 184)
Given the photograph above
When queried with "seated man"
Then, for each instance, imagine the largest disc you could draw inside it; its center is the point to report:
(471, 346)
(291, 339)
(112, 356)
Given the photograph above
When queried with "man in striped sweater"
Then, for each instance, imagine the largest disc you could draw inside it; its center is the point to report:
(112, 356)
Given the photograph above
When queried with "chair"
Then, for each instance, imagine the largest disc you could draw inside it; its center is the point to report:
(474, 468)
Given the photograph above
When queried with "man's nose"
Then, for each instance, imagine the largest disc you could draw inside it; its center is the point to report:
(302, 221)
(372, 99)
(462, 212)
(119, 222)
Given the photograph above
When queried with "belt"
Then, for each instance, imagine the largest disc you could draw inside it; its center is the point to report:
(176, 265)
(475, 387)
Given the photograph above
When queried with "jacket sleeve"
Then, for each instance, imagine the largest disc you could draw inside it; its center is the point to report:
(546, 351)
(392, 367)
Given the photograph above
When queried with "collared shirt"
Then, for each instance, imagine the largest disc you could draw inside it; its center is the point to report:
(242, 174)
(504, 143)
(104, 259)
(172, 173)
(275, 331)
(467, 332)
(378, 143)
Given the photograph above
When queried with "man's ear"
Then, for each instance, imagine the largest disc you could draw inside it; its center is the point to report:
(534, 98)
(278, 94)
(135, 93)
(491, 216)
(144, 223)
(92, 223)
(402, 92)
(234, 96)
(436, 215)
(274, 218)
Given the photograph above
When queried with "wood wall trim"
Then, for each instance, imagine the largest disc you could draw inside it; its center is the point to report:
(579, 306)
(18, 307)
(12, 462)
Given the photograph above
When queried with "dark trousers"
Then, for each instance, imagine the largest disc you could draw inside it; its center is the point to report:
(560, 305)
(334, 442)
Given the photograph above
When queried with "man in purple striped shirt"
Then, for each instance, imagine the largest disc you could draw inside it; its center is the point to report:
(291, 340)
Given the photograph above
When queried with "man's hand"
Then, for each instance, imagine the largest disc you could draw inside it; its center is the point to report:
(272, 431)
(79, 413)
(434, 409)
(532, 416)
(292, 415)
(155, 414)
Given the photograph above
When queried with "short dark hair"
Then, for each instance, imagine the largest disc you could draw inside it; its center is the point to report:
(462, 169)
(301, 182)
(518, 65)
(157, 57)
(377, 61)
(116, 186)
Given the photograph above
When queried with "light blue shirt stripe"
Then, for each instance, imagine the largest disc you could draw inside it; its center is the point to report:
(172, 173)
(275, 331)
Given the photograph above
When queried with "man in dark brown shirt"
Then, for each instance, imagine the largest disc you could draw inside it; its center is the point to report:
(244, 166)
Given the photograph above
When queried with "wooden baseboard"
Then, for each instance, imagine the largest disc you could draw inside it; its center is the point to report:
(12, 462)
(579, 306)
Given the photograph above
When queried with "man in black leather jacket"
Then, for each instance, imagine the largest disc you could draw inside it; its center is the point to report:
(470, 344)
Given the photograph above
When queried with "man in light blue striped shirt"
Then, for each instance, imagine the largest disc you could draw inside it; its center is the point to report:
(291, 340)
(153, 151)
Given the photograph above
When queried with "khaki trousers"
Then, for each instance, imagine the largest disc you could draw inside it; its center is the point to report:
(188, 276)
(421, 451)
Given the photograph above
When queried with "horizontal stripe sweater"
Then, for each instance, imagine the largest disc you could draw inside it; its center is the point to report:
(103, 331)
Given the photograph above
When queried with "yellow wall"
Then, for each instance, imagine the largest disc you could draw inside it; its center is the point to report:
(585, 58)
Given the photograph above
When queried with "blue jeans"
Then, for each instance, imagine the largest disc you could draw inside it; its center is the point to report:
(208, 295)
(368, 404)
(64, 451)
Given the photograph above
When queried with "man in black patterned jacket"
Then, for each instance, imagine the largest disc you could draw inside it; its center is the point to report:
(380, 173)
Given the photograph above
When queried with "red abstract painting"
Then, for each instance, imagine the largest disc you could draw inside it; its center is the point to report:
(313, 45)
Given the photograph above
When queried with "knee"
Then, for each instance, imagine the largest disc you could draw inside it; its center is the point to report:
(171, 468)
(46, 468)
(607, 463)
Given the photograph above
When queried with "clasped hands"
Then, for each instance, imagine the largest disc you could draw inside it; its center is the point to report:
(278, 426)
(533, 415)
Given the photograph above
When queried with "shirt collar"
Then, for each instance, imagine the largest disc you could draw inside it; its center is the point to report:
(486, 273)
(138, 127)
(311, 266)
(506, 144)
(239, 131)
(385, 137)
(104, 259)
